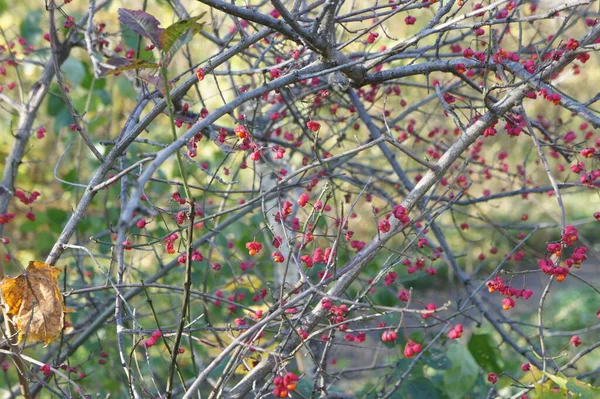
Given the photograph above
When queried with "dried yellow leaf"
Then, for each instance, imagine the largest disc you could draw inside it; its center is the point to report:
(33, 302)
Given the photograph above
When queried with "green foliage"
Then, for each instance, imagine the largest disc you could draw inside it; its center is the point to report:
(436, 359)
(485, 351)
(385, 298)
(173, 33)
(56, 106)
(575, 387)
(74, 71)
(461, 377)
(418, 388)
(30, 27)
(126, 88)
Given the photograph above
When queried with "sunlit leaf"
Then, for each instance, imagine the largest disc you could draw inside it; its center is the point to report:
(547, 391)
(34, 303)
(574, 386)
(184, 39)
(171, 34)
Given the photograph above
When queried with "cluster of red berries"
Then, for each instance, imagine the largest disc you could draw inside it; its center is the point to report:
(45, 369)
(554, 98)
(6, 217)
(411, 348)
(579, 255)
(284, 385)
(103, 357)
(384, 225)
(253, 247)
(401, 214)
(390, 278)
(170, 243)
(389, 336)
(404, 295)
(193, 144)
(338, 313)
(372, 37)
(570, 235)
(27, 200)
(303, 200)
(200, 74)
(177, 197)
(41, 133)
(410, 20)
(419, 264)
(180, 217)
(497, 284)
(319, 256)
(150, 342)
(196, 257)
(285, 212)
(491, 130)
(361, 336)
(456, 332)
(429, 306)
(515, 125)
(313, 125)
(278, 257)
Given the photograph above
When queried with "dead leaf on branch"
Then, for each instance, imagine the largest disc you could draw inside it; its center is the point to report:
(33, 302)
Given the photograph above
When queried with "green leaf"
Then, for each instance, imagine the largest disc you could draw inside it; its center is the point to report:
(56, 219)
(62, 119)
(89, 78)
(484, 349)
(126, 88)
(98, 123)
(103, 96)
(74, 71)
(579, 388)
(55, 102)
(419, 388)
(545, 392)
(70, 177)
(44, 241)
(585, 391)
(462, 376)
(305, 387)
(169, 36)
(141, 23)
(385, 297)
(28, 226)
(3, 6)
(437, 360)
(30, 27)
(184, 39)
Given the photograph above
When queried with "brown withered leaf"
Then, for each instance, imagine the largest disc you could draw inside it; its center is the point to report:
(34, 303)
